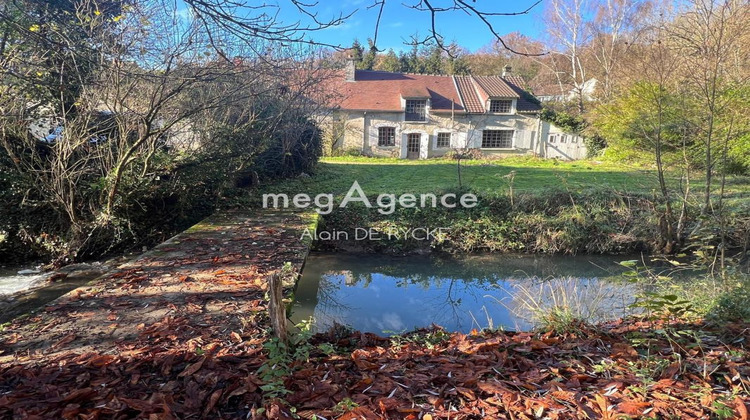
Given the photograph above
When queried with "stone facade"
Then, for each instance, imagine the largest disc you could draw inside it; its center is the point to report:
(358, 131)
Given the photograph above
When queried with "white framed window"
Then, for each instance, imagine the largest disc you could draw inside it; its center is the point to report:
(443, 140)
(497, 139)
(501, 106)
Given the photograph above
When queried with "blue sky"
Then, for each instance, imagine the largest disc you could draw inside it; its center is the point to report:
(399, 22)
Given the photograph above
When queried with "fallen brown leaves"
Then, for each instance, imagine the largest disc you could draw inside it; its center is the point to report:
(180, 335)
(169, 384)
(171, 335)
(597, 373)
(492, 375)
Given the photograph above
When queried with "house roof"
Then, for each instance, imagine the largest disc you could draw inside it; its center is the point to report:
(469, 94)
(415, 92)
(383, 91)
(495, 87)
(514, 79)
(526, 101)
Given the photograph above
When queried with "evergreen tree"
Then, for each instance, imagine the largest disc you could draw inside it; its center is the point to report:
(458, 65)
(432, 63)
(368, 60)
(413, 61)
(404, 62)
(390, 62)
(356, 52)
(456, 62)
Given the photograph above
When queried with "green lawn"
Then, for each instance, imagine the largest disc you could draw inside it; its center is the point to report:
(397, 176)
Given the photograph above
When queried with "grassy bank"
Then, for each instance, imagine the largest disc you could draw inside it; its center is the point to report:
(532, 175)
(525, 205)
(552, 221)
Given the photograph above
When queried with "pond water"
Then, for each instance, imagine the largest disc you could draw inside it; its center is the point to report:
(387, 295)
(21, 294)
(12, 282)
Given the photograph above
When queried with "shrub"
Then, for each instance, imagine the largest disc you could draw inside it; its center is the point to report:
(733, 305)
(181, 187)
(468, 154)
(281, 159)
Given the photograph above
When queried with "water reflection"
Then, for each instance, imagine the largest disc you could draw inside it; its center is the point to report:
(385, 294)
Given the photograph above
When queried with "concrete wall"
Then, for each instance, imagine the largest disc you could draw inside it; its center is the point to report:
(561, 145)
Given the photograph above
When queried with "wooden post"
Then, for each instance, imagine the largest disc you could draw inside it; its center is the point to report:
(276, 309)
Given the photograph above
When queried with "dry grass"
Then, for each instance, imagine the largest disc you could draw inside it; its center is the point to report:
(561, 304)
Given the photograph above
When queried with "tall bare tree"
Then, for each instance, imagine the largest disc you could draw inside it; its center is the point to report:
(711, 35)
(616, 26)
(569, 35)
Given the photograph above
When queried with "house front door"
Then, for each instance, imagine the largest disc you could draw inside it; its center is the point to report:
(412, 145)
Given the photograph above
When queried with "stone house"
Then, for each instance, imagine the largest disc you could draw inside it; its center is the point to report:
(416, 116)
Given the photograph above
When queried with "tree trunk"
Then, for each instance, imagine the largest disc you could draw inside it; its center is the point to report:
(276, 309)
(668, 228)
(458, 168)
(707, 189)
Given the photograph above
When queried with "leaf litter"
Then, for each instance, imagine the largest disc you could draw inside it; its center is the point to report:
(179, 334)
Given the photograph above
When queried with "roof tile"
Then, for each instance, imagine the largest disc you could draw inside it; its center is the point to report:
(526, 101)
(469, 94)
(495, 86)
(383, 91)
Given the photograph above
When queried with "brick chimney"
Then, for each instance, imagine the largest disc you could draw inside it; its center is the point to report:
(350, 68)
(507, 71)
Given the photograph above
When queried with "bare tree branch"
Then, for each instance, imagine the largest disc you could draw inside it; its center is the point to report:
(245, 20)
(481, 15)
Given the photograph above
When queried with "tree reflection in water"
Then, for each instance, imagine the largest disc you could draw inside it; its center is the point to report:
(385, 294)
